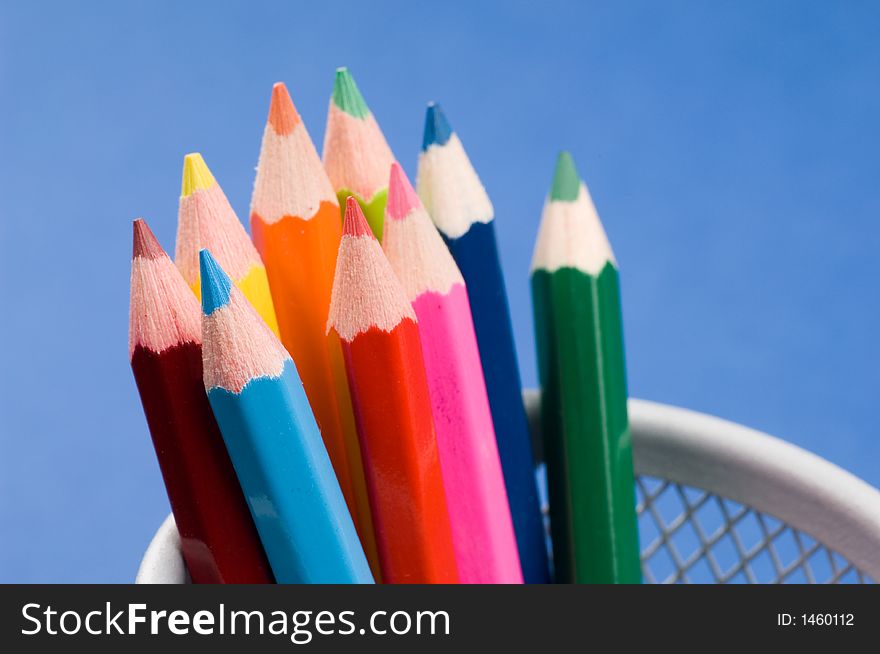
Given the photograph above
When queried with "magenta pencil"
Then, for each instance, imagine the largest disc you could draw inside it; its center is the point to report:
(482, 530)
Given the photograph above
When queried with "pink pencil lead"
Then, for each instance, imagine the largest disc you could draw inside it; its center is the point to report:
(402, 198)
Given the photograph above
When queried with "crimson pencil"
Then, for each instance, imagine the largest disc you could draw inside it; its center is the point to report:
(217, 535)
(389, 389)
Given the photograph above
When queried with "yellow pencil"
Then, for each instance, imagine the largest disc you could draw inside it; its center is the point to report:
(207, 220)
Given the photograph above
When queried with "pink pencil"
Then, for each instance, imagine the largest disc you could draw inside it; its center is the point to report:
(482, 531)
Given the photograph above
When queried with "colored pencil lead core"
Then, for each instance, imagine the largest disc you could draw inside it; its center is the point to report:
(402, 198)
(282, 114)
(216, 285)
(437, 129)
(196, 175)
(346, 95)
(566, 182)
(355, 223)
(144, 243)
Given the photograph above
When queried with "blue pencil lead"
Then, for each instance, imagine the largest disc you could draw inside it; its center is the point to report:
(216, 285)
(437, 129)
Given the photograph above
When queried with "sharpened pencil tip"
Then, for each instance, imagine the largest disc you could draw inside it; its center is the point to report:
(346, 95)
(402, 198)
(144, 243)
(282, 113)
(566, 182)
(437, 129)
(216, 285)
(196, 175)
(355, 223)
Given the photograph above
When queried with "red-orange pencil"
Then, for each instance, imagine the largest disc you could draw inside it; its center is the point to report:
(389, 389)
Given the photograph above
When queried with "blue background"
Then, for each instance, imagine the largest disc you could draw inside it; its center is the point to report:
(731, 149)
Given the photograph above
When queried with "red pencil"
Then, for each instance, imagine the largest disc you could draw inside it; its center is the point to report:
(217, 535)
(389, 390)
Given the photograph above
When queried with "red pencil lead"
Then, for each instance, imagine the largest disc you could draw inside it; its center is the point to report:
(282, 113)
(355, 224)
(144, 242)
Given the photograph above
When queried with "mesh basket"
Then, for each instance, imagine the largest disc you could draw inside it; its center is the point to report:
(717, 503)
(692, 536)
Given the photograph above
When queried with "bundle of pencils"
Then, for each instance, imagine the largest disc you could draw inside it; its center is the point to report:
(346, 407)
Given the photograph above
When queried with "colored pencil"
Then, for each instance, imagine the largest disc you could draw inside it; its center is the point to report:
(296, 227)
(356, 154)
(461, 210)
(207, 220)
(482, 532)
(217, 535)
(274, 443)
(389, 390)
(578, 324)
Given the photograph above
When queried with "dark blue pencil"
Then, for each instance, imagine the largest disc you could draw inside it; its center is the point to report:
(458, 204)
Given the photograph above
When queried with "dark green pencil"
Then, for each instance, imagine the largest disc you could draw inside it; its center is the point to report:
(576, 297)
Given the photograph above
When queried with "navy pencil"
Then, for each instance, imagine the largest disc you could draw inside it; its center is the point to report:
(461, 210)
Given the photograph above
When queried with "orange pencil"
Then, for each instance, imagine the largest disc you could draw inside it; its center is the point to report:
(389, 390)
(296, 227)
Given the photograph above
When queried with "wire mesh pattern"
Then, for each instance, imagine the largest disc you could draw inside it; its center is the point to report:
(689, 535)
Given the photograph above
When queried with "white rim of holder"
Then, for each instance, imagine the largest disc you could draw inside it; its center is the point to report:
(770, 475)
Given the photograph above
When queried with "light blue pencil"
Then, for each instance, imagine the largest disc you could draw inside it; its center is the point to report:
(274, 442)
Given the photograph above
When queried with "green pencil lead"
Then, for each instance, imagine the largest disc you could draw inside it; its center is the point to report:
(346, 95)
(566, 182)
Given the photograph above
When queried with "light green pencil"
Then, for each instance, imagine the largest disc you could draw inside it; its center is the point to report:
(356, 156)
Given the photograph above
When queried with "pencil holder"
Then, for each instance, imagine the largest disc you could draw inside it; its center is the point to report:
(717, 503)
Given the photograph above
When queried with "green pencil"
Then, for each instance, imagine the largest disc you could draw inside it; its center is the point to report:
(578, 326)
